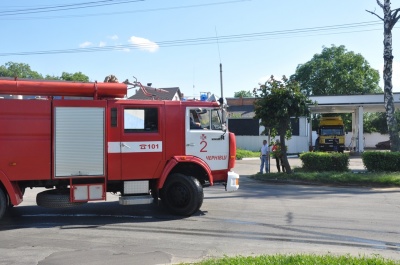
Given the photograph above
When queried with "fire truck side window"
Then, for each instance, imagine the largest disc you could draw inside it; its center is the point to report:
(207, 118)
(216, 123)
(140, 120)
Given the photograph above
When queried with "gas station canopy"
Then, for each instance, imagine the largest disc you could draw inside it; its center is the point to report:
(349, 103)
(355, 104)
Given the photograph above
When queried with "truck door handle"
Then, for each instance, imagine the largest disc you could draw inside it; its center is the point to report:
(124, 145)
(191, 144)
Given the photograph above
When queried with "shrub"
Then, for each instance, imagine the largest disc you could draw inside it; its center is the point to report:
(321, 161)
(381, 161)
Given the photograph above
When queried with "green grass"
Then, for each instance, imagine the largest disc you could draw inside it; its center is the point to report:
(373, 179)
(300, 259)
(240, 154)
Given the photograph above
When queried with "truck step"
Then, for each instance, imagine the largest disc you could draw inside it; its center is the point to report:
(135, 200)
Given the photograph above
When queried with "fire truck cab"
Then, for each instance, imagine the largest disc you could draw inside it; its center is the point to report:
(82, 140)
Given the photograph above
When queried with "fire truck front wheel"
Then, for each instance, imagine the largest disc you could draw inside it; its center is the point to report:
(3, 203)
(182, 195)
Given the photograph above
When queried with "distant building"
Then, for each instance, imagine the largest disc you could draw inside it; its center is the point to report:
(169, 93)
(249, 133)
(241, 117)
(241, 107)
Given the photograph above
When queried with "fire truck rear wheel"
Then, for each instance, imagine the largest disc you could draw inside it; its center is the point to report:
(182, 195)
(3, 203)
(55, 199)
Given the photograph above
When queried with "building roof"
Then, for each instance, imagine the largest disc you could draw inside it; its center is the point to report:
(240, 107)
(169, 93)
(246, 111)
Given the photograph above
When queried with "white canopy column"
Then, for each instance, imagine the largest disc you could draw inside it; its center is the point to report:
(358, 131)
(354, 132)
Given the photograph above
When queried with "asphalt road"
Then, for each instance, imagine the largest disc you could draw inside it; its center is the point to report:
(259, 218)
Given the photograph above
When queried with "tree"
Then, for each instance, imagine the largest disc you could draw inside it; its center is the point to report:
(242, 94)
(389, 19)
(335, 71)
(276, 102)
(19, 70)
(52, 77)
(22, 70)
(78, 76)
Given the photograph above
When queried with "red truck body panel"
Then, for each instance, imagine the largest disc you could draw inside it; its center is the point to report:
(25, 139)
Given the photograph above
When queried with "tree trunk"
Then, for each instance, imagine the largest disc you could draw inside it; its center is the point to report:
(282, 133)
(389, 22)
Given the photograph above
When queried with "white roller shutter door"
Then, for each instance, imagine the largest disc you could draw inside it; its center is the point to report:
(79, 141)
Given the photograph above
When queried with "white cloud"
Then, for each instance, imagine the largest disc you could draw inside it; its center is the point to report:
(85, 44)
(125, 49)
(113, 37)
(144, 44)
(102, 44)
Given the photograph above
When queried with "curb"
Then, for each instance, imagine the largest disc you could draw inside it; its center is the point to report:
(257, 158)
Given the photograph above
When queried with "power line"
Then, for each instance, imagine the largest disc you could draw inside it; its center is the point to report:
(291, 33)
(62, 8)
(57, 8)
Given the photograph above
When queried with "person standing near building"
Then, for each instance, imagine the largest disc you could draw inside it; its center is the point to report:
(264, 157)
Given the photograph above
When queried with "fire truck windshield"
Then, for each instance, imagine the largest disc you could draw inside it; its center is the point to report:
(210, 119)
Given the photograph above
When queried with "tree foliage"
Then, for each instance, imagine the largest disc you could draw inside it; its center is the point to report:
(243, 94)
(22, 70)
(78, 76)
(276, 102)
(336, 71)
(376, 122)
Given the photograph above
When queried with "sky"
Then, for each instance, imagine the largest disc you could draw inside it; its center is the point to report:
(182, 43)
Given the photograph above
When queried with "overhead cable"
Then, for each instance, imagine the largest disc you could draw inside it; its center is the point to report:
(291, 33)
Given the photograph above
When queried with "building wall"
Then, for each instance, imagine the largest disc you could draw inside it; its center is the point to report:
(370, 139)
(297, 144)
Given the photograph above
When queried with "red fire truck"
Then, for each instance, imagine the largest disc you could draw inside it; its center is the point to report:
(82, 140)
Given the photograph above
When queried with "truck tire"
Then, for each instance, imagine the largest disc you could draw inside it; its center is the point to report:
(55, 199)
(3, 203)
(182, 195)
